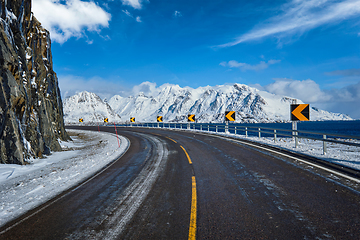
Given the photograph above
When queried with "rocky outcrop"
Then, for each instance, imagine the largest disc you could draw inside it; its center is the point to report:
(31, 114)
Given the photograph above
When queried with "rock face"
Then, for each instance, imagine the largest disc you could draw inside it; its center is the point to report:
(31, 114)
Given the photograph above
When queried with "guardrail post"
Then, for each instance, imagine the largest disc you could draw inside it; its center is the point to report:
(259, 133)
(235, 130)
(216, 128)
(274, 135)
(208, 128)
(324, 145)
(200, 127)
(246, 133)
(188, 126)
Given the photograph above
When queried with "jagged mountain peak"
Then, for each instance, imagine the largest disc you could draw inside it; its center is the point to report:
(88, 106)
(209, 104)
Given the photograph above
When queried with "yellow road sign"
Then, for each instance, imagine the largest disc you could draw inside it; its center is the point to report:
(159, 118)
(191, 118)
(300, 112)
(132, 119)
(230, 116)
(106, 120)
(81, 120)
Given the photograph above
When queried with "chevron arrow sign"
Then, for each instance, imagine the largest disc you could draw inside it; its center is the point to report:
(191, 118)
(230, 116)
(300, 112)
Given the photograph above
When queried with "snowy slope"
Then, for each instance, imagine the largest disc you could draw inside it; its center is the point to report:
(25, 187)
(88, 106)
(209, 105)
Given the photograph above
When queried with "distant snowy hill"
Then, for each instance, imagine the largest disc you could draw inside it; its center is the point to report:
(207, 103)
(88, 106)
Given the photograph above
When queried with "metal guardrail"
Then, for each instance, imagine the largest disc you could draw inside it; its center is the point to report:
(275, 132)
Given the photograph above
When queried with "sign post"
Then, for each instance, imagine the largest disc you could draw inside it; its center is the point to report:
(132, 120)
(298, 112)
(159, 119)
(191, 118)
(229, 116)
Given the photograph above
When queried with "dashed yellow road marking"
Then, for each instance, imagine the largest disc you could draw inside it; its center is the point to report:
(187, 155)
(192, 228)
(193, 214)
(171, 139)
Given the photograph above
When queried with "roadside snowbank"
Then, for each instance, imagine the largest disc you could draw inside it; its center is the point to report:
(23, 188)
(345, 155)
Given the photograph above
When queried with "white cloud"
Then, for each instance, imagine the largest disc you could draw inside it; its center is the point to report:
(177, 14)
(70, 85)
(340, 100)
(148, 88)
(245, 66)
(300, 16)
(305, 90)
(70, 18)
(138, 19)
(133, 3)
(127, 13)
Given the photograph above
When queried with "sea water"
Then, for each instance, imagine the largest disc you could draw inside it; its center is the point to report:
(349, 128)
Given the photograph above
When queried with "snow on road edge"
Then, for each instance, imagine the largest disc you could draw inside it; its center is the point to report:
(23, 188)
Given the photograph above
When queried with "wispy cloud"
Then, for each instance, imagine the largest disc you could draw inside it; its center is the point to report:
(133, 3)
(347, 72)
(245, 66)
(177, 14)
(66, 19)
(70, 85)
(301, 16)
(138, 19)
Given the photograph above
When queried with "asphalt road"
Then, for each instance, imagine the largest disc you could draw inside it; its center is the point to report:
(172, 185)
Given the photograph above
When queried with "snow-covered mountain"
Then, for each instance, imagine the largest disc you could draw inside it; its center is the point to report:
(207, 103)
(88, 106)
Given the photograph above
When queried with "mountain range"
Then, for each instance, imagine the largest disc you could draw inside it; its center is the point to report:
(174, 103)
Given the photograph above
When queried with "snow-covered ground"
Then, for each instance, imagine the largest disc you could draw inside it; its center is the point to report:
(337, 153)
(23, 188)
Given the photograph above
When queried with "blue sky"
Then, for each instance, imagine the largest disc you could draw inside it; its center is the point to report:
(306, 49)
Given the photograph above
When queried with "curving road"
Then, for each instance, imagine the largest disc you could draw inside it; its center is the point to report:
(178, 185)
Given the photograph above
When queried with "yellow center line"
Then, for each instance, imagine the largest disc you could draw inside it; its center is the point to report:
(171, 139)
(187, 155)
(192, 228)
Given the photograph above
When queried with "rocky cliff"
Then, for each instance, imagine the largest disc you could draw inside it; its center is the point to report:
(31, 114)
